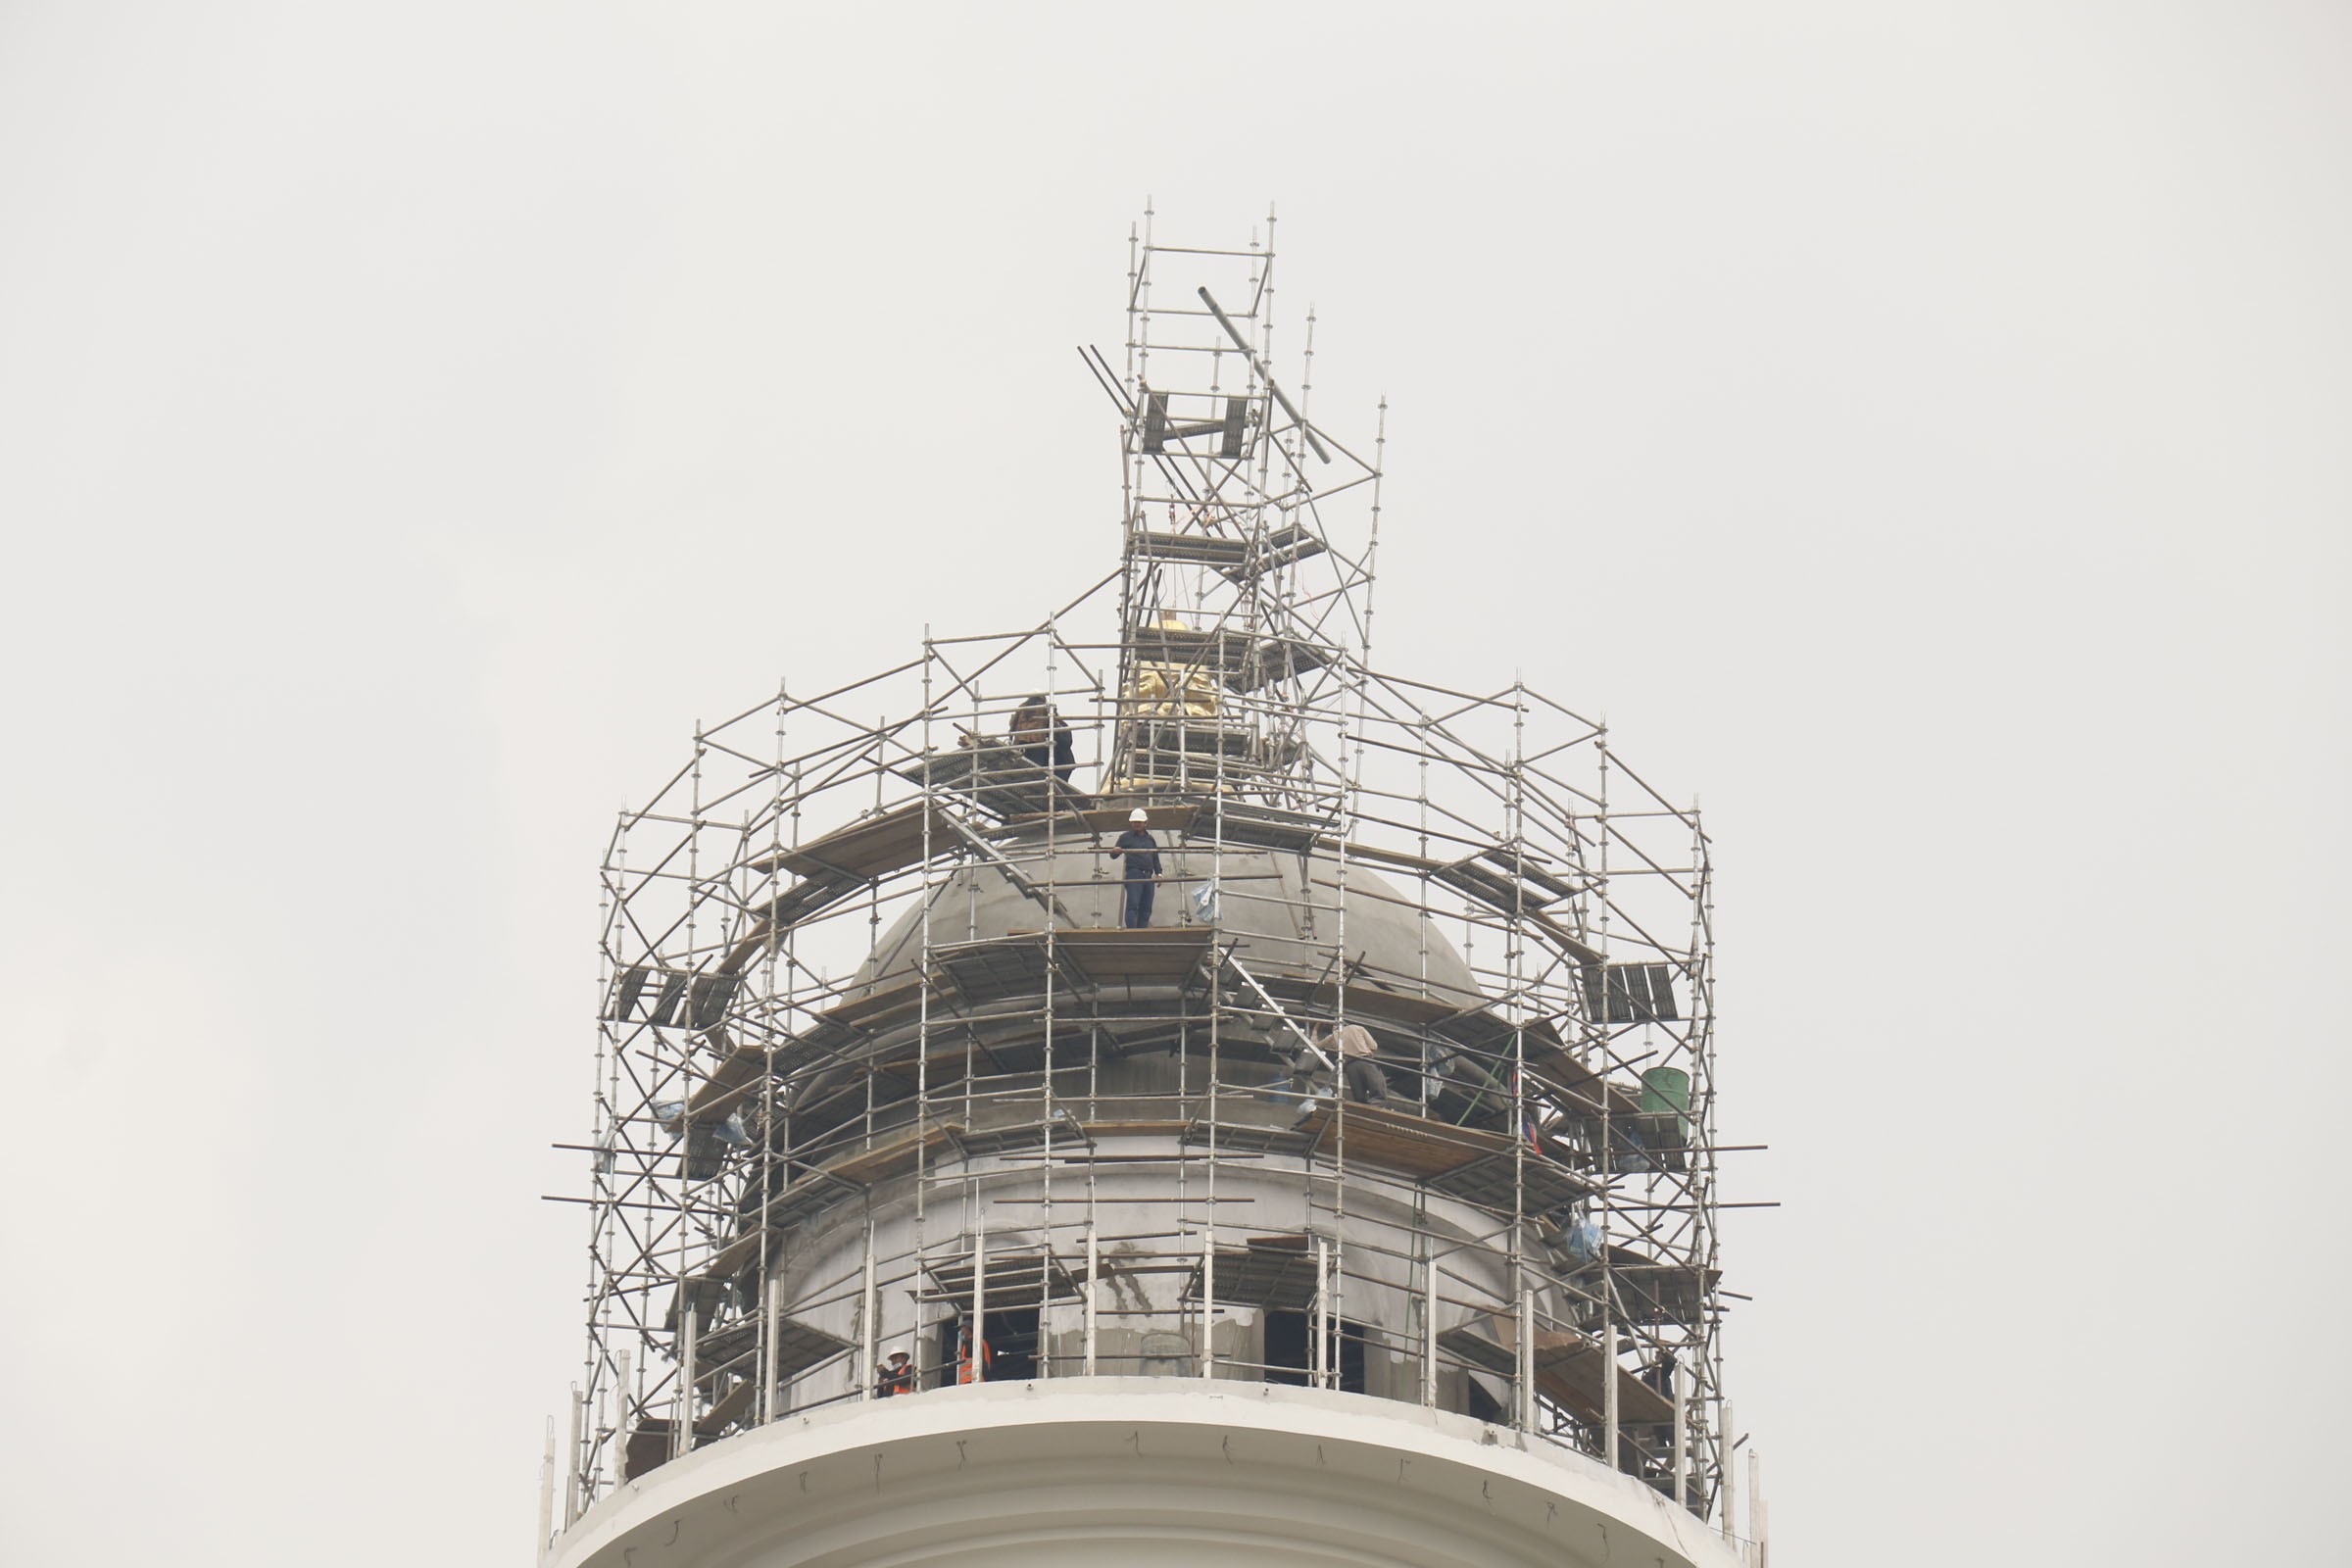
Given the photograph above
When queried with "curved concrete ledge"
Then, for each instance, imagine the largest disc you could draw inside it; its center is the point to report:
(1147, 1472)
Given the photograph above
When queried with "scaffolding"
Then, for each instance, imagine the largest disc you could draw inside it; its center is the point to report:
(880, 1060)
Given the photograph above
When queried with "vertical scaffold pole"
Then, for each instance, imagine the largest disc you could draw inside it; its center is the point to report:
(1527, 1358)
(869, 1324)
(1682, 1440)
(1759, 1517)
(975, 1343)
(771, 1307)
(621, 1423)
(1429, 1333)
(1319, 1357)
(1208, 1296)
(571, 1484)
(1608, 1391)
(547, 1488)
(681, 1431)
(1091, 1288)
(1727, 1474)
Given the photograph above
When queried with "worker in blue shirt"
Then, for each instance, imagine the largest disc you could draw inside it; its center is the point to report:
(1141, 853)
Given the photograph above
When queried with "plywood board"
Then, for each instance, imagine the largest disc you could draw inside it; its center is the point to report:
(869, 849)
(1270, 1273)
(1165, 953)
(1568, 1370)
(1396, 1140)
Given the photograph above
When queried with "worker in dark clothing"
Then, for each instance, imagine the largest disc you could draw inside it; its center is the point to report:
(1141, 851)
(895, 1376)
(1043, 739)
(1033, 732)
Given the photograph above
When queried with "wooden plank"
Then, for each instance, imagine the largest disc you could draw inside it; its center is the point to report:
(1467, 1162)
(1098, 1130)
(1159, 953)
(1014, 1279)
(721, 1415)
(1660, 1290)
(999, 777)
(732, 1258)
(995, 968)
(1480, 883)
(1525, 868)
(647, 1447)
(1239, 1136)
(837, 1177)
(1547, 1058)
(885, 1160)
(1457, 1019)
(1270, 1272)
(802, 1345)
(868, 848)
(1229, 556)
(1396, 1140)
(1229, 652)
(740, 1070)
(1568, 1370)
(1375, 855)
(1504, 1184)
(1195, 549)
(860, 1011)
(1266, 827)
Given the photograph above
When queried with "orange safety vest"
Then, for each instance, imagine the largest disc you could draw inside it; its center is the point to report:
(966, 1371)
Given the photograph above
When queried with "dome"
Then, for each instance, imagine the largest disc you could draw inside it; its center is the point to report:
(1280, 909)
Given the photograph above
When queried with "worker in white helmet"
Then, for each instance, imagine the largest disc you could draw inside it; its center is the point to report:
(1141, 851)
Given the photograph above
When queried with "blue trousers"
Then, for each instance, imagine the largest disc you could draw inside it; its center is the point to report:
(1139, 901)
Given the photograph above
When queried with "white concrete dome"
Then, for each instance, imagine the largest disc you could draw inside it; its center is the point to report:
(1280, 907)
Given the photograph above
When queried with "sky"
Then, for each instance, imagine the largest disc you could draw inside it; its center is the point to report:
(1919, 430)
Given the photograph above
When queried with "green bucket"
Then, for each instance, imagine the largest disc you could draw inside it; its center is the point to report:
(1666, 1091)
(1666, 1105)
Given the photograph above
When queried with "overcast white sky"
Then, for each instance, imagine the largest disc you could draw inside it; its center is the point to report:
(1921, 429)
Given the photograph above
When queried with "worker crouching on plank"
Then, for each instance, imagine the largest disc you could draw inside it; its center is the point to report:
(1141, 851)
(1357, 1053)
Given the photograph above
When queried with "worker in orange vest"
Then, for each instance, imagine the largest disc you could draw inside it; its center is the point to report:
(969, 1368)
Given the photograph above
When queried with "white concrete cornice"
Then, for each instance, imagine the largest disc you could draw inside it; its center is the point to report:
(1141, 1471)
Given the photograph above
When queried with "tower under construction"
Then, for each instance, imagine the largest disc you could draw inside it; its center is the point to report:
(1355, 1203)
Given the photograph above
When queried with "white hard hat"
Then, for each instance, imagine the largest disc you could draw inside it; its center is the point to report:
(1139, 816)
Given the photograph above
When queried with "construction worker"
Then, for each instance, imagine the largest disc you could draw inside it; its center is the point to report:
(1360, 1063)
(895, 1376)
(1141, 850)
(970, 1368)
(1032, 732)
(1043, 739)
